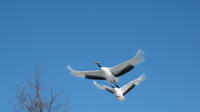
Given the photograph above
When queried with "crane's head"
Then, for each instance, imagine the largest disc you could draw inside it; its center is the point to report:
(98, 63)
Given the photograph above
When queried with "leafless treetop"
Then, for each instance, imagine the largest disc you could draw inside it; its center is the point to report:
(34, 98)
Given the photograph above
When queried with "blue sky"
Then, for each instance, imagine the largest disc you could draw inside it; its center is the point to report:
(53, 34)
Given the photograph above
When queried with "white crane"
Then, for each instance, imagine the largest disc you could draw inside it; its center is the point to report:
(120, 92)
(110, 74)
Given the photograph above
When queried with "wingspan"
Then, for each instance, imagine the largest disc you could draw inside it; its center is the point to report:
(103, 87)
(129, 86)
(126, 66)
(96, 75)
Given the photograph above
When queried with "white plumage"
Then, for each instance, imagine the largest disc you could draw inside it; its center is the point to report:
(120, 92)
(110, 74)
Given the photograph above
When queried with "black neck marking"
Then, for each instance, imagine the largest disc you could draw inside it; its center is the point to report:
(99, 65)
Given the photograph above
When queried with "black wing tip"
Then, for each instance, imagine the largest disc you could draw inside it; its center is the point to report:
(129, 89)
(125, 70)
(94, 77)
(110, 91)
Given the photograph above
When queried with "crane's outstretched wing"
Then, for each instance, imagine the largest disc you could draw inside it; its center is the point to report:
(103, 87)
(126, 66)
(96, 75)
(126, 88)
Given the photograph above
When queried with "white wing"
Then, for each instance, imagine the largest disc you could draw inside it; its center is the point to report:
(126, 88)
(97, 75)
(103, 87)
(126, 66)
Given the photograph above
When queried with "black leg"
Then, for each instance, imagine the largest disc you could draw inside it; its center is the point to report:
(116, 85)
(112, 86)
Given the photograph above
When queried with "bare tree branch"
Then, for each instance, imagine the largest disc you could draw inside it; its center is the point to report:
(31, 98)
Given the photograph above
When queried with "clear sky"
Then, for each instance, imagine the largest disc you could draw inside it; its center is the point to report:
(54, 34)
